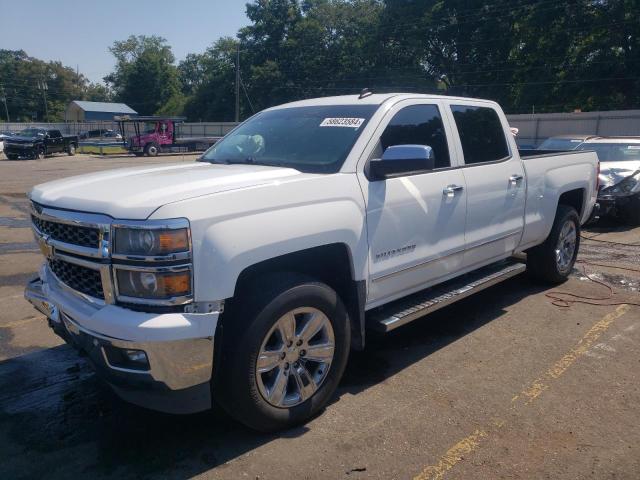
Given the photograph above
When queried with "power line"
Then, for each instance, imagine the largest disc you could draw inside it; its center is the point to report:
(246, 94)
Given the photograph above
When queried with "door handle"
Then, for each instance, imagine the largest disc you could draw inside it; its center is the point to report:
(514, 179)
(450, 190)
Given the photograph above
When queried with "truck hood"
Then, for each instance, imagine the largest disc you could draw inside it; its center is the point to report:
(612, 173)
(135, 193)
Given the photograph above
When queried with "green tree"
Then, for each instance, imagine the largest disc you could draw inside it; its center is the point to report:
(145, 77)
(23, 80)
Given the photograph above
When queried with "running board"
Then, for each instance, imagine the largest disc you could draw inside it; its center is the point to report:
(408, 309)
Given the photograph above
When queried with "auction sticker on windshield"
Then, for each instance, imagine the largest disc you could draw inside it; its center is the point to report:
(342, 122)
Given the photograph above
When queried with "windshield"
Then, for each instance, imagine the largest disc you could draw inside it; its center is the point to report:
(149, 128)
(31, 132)
(614, 152)
(309, 139)
(560, 144)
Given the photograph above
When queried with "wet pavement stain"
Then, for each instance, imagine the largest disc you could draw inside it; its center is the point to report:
(18, 247)
(15, 222)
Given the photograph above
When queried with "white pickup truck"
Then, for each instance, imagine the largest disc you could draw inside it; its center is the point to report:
(248, 276)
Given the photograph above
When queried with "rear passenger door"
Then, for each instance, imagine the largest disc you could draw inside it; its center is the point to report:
(494, 181)
(415, 223)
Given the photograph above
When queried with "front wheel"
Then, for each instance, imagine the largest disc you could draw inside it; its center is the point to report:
(152, 150)
(284, 355)
(38, 154)
(553, 260)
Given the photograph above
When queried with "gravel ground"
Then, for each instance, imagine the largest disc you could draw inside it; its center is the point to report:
(501, 385)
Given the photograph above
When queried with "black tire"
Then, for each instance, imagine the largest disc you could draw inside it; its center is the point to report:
(542, 261)
(39, 154)
(12, 157)
(235, 384)
(71, 150)
(630, 212)
(151, 150)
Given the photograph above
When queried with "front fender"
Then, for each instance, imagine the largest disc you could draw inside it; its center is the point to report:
(234, 230)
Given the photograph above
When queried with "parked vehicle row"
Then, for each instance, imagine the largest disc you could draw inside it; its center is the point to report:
(101, 134)
(37, 143)
(248, 276)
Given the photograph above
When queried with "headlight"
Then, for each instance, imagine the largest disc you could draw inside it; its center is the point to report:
(151, 242)
(154, 284)
(629, 185)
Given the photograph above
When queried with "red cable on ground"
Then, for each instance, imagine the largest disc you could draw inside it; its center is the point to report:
(609, 241)
(558, 298)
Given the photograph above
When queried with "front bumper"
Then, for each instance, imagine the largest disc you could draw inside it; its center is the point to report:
(180, 360)
(611, 204)
(19, 150)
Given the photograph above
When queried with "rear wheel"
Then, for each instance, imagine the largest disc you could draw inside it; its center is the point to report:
(553, 260)
(284, 354)
(71, 150)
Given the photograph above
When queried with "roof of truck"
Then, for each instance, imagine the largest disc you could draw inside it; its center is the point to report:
(371, 99)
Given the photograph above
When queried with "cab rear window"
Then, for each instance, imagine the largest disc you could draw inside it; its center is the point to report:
(481, 134)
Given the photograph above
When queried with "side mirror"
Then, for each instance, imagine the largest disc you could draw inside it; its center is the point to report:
(401, 160)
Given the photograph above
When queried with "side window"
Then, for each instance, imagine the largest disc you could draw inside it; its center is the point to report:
(481, 134)
(418, 125)
(54, 134)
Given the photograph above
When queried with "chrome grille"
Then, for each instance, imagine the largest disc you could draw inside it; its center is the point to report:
(72, 234)
(83, 279)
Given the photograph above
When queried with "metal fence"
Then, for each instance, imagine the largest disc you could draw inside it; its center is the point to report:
(201, 129)
(535, 128)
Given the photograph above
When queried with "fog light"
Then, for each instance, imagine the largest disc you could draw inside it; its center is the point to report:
(126, 358)
(136, 356)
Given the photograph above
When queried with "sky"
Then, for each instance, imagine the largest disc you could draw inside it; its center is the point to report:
(79, 33)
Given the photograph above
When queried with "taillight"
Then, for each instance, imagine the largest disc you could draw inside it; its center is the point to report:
(598, 177)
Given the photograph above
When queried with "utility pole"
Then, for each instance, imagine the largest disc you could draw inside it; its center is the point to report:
(238, 82)
(42, 85)
(3, 98)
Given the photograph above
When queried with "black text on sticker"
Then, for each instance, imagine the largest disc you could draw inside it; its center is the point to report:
(342, 122)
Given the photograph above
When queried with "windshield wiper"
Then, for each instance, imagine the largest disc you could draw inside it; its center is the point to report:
(245, 161)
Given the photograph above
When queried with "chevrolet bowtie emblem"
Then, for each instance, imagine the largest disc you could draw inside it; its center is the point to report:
(45, 247)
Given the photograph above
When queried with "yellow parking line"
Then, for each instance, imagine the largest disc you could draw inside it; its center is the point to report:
(470, 443)
(453, 456)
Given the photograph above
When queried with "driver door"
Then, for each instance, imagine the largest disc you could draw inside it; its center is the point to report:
(415, 223)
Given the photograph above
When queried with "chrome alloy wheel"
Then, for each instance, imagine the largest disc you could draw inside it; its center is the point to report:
(295, 357)
(566, 246)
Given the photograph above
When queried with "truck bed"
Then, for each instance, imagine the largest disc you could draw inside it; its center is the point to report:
(548, 173)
